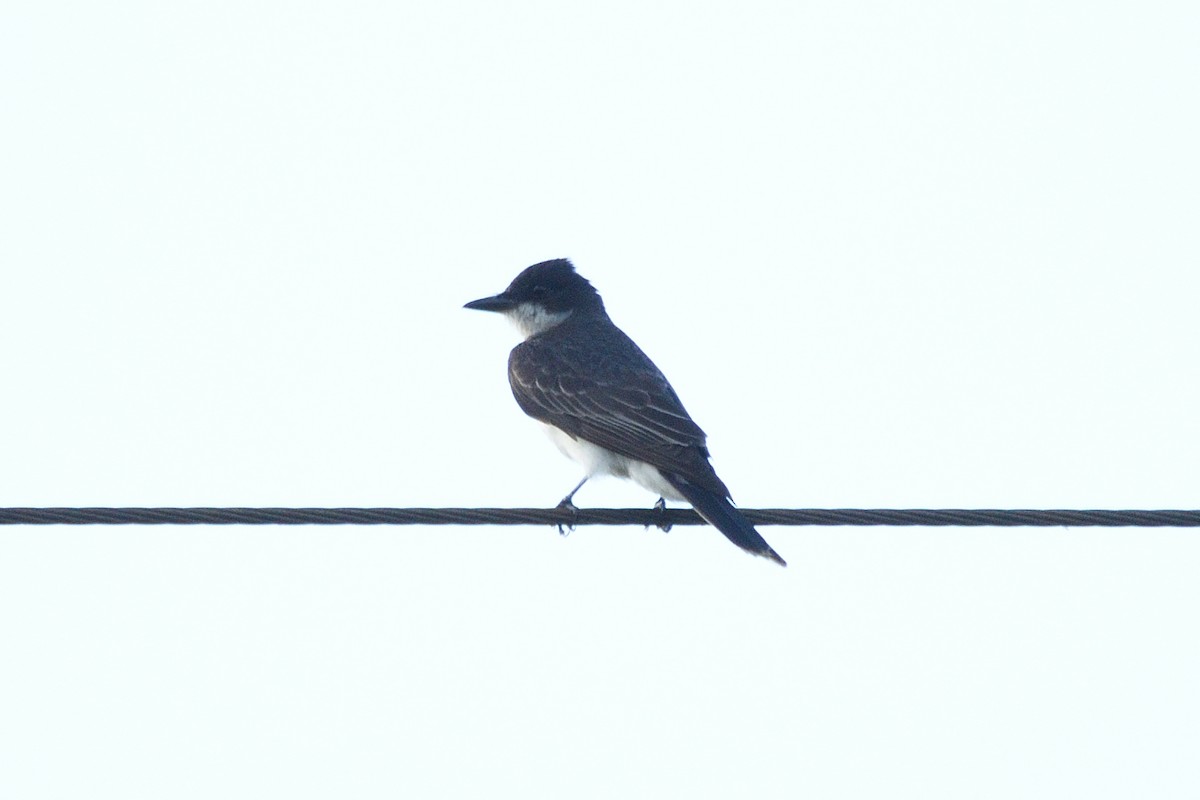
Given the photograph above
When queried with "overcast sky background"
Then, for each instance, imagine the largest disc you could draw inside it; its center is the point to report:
(890, 255)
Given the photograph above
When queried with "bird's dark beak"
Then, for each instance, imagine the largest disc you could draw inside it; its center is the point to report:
(500, 302)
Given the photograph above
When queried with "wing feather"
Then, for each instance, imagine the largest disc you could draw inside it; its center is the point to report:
(624, 403)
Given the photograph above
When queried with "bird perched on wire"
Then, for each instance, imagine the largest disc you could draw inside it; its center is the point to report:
(604, 402)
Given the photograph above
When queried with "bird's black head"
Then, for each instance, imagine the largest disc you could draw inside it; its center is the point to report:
(542, 296)
(556, 286)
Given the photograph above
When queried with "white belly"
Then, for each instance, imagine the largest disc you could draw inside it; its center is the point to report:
(596, 461)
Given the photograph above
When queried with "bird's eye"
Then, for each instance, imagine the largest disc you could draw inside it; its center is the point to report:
(538, 291)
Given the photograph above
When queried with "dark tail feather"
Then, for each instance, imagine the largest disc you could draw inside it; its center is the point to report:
(721, 514)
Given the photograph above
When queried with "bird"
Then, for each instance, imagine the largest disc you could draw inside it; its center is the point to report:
(604, 403)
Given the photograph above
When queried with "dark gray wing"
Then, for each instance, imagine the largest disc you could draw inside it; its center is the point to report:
(612, 397)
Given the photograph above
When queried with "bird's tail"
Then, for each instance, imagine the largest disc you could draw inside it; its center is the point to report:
(720, 513)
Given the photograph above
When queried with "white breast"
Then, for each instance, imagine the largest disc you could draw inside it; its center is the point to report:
(597, 461)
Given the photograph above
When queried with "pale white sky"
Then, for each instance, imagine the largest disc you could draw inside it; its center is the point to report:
(930, 254)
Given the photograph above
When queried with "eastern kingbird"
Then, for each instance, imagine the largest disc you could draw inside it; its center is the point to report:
(602, 400)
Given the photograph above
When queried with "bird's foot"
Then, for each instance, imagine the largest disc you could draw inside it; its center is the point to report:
(566, 505)
(661, 508)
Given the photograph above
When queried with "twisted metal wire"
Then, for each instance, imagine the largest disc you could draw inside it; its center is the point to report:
(595, 516)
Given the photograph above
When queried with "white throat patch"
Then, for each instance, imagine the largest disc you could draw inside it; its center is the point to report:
(532, 319)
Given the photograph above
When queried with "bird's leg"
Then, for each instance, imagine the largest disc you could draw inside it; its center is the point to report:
(566, 504)
(661, 508)
(566, 501)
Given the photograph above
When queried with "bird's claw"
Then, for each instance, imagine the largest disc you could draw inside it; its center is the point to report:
(661, 509)
(567, 505)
